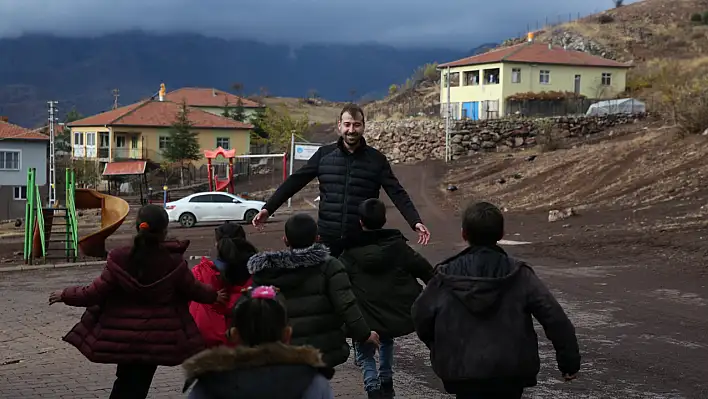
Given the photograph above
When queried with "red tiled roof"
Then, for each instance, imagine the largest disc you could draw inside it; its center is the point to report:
(154, 113)
(10, 131)
(125, 168)
(206, 97)
(537, 53)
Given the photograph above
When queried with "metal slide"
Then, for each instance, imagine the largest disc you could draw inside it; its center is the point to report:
(114, 210)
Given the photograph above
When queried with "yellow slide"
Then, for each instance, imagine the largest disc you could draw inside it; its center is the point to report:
(114, 210)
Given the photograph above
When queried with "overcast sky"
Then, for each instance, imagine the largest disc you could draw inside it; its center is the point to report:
(445, 23)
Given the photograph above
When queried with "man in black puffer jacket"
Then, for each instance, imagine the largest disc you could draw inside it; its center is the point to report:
(475, 317)
(349, 172)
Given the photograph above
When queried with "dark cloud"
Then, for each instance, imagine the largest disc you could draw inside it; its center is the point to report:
(448, 23)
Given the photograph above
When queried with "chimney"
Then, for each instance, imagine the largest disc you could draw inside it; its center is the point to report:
(162, 92)
(213, 92)
(529, 37)
(550, 46)
(4, 119)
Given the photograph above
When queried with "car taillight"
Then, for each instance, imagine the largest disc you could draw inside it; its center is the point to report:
(170, 207)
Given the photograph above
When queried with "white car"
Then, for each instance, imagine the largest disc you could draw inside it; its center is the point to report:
(214, 206)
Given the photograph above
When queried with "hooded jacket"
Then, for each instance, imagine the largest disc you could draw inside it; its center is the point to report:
(318, 298)
(488, 298)
(383, 271)
(274, 371)
(139, 315)
(212, 318)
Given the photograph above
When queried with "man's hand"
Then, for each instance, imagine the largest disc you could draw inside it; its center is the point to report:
(260, 219)
(423, 233)
(374, 338)
(55, 297)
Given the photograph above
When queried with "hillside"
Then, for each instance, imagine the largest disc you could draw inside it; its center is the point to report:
(82, 72)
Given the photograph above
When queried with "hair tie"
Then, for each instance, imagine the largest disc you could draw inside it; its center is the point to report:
(144, 226)
(264, 292)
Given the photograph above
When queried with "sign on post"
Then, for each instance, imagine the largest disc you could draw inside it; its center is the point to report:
(304, 152)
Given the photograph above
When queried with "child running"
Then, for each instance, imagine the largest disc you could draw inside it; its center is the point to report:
(475, 316)
(264, 365)
(383, 271)
(227, 271)
(317, 291)
(137, 312)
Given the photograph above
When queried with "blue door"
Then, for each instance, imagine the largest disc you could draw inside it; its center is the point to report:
(470, 110)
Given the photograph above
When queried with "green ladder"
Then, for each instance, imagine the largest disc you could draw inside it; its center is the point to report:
(46, 222)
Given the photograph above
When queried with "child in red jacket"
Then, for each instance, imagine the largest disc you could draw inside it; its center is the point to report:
(228, 272)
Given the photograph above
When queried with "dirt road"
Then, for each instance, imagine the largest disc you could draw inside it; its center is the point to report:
(639, 303)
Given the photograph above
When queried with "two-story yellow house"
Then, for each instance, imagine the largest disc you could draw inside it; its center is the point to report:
(141, 131)
(480, 85)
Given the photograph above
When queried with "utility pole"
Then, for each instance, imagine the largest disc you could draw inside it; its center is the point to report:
(52, 161)
(448, 114)
(116, 94)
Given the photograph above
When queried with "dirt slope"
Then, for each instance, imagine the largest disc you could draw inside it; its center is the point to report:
(645, 169)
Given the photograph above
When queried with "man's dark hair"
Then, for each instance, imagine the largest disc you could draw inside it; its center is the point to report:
(372, 214)
(354, 110)
(483, 224)
(301, 230)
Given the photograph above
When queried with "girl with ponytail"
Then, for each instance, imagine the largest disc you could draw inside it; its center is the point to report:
(137, 312)
(228, 272)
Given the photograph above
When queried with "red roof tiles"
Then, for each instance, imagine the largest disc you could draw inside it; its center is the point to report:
(154, 113)
(206, 97)
(125, 168)
(10, 131)
(537, 53)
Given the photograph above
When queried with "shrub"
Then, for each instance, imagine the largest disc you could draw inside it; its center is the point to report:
(618, 3)
(705, 17)
(696, 17)
(691, 107)
(393, 89)
(547, 135)
(605, 18)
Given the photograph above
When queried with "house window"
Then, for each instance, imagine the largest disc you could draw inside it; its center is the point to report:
(163, 142)
(104, 140)
(78, 138)
(9, 160)
(223, 142)
(516, 75)
(20, 193)
(134, 142)
(544, 77)
(471, 78)
(91, 139)
(455, 79)
(607, 79)
(120, 141)
(491, 76)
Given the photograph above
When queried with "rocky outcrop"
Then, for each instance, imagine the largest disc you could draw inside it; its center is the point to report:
(414, 140)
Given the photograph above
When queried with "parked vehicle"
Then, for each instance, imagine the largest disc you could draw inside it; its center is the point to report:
(215, 206)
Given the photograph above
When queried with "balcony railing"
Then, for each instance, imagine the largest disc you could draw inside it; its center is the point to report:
(122, 154)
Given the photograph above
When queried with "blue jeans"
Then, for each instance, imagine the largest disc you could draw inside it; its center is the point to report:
(365, 357)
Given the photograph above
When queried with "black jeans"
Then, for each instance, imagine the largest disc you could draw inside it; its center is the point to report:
(133, 381)
(514, 394)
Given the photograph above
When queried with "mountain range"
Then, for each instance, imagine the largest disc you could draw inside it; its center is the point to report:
(81, 73)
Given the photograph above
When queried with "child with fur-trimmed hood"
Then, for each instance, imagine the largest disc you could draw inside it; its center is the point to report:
(264, 364)
(317, 291)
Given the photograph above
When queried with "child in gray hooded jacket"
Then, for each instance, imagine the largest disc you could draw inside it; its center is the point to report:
(263, 364)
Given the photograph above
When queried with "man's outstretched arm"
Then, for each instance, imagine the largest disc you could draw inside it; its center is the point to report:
(294, 183)
(399, 196)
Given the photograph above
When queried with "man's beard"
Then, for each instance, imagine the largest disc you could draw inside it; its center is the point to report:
(352, 139)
